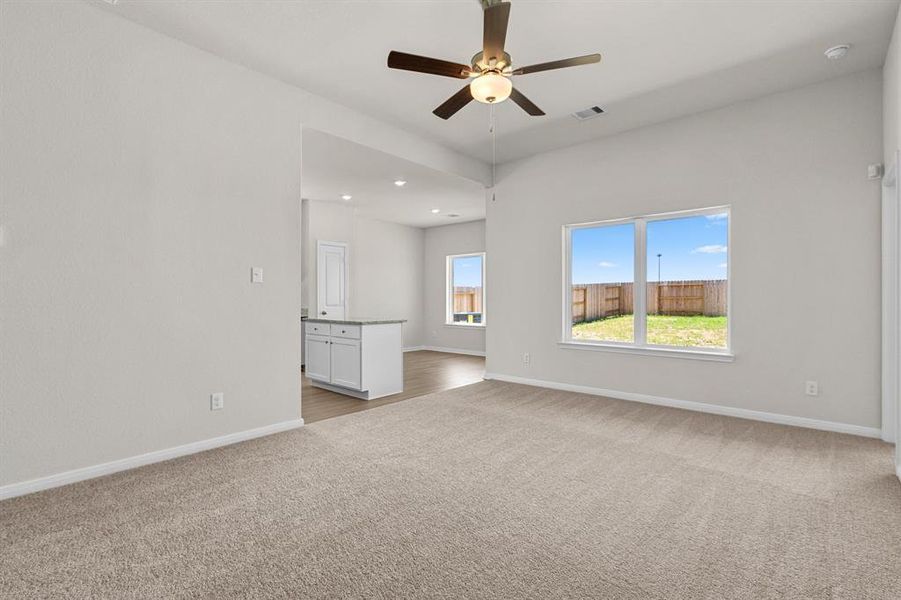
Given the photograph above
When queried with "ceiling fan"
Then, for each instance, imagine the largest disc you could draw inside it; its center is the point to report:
(491, 69)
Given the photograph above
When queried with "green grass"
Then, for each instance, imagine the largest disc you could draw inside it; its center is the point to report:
(698, 331)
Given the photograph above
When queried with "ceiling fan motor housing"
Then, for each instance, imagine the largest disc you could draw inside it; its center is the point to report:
(480, 65)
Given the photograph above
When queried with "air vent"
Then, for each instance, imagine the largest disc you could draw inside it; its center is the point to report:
(588, 113)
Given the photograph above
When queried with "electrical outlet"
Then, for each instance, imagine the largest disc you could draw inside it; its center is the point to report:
(256, 275)
(217, 401)
(811, 388)
(526, 359)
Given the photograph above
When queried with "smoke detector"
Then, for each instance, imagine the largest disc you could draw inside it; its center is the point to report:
(837, 52)
(588, 113)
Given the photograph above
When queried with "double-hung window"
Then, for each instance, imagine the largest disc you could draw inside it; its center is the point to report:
(654, 284)
(466, 289)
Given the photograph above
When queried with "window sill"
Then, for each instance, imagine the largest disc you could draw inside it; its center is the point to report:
(465, 326)
(711, 355)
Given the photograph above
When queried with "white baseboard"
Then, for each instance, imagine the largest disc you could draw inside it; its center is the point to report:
(454, 350)
(727, 411)
(51, 481)
(898, 471)
(414, 348)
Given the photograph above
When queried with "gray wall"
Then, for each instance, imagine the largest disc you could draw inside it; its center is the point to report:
(140, 181)
(805, 250)
(440, 242)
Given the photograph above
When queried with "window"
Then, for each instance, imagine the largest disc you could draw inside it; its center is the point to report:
(466, 289)
(658, 282)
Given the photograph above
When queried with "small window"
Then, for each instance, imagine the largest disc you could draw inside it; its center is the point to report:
(466, 289)
(658, 281)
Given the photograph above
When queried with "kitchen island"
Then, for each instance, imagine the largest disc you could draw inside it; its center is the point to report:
(358, 357)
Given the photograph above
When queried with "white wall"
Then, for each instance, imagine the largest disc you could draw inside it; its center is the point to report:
(891, 99)
(385, 264)
(140, 181)
(440, 242)
(805, 250)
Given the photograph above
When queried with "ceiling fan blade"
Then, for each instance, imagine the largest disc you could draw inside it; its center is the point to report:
(495, 31)
(454, 103)
(424, 64)
(525, 104)
(559, 64)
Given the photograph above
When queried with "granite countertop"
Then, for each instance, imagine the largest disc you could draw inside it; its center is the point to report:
(355, 321)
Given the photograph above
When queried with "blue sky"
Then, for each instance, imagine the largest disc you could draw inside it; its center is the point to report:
(691, 248)
(468, 271)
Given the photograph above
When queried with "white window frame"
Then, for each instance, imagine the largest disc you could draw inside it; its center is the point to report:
(640, 290)
(449, 292)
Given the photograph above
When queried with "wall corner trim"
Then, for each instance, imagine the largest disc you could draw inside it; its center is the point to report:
(59, 479)
(715, 409)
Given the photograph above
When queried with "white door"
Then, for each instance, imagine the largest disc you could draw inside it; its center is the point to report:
(346, 363)
(331, 278)
(318, 358)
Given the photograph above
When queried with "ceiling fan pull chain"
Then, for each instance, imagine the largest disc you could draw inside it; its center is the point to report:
(492, 126)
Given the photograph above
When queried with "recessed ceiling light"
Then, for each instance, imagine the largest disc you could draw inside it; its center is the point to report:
(837, 52)
(400, 182)
(452, 215)
(346, 196)
(435, 211)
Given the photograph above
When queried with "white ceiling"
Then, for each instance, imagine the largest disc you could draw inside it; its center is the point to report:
(333, 166)
(662, 59)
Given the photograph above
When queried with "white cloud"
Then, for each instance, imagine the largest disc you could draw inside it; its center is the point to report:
(719, 217)
(606, 264)
(710, 249)
(724, 265)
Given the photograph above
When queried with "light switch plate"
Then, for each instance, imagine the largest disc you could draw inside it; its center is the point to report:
(256, 275)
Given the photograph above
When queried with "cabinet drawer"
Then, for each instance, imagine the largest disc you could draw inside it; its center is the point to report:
(346, 331)
(317, 328)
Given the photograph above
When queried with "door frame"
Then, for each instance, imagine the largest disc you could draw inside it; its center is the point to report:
(891, 308)
(319, 244)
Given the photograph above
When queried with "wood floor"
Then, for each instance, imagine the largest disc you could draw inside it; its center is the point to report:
(424, 372)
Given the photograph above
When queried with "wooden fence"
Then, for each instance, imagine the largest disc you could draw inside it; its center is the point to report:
(600, 300)
(467, 299)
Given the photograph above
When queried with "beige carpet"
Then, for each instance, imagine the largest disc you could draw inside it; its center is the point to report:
(490, 491)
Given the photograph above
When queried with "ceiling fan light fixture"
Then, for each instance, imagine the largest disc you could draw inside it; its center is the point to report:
(491, 88)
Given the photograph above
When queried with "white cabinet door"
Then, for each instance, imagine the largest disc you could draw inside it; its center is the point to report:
(346, 358)
(318, 358)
